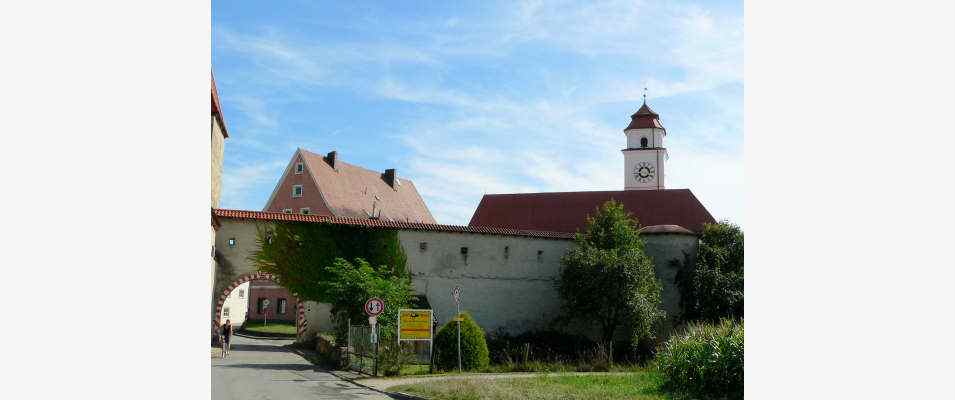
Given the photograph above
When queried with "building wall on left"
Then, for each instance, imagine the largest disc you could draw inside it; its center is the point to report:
(236, 305)
(218, 146)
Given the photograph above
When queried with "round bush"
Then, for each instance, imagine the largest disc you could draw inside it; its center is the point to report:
(474, 354)
(706, 361)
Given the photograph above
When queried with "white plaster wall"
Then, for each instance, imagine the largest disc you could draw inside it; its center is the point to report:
(238, 304)
(654, 137)
(515, 293)
(319, 319)
(632, 158)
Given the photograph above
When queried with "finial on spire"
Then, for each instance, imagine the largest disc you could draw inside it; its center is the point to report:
(644, 95)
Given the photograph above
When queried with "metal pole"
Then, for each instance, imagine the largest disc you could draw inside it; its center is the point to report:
(375, 328)
(459, 338)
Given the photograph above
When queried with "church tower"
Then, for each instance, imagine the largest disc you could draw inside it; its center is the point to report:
(645, 155)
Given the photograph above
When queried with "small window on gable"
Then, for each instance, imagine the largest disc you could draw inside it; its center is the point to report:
(299, 168)
(306, 210)
(225, 312)
(540, 255)
(643, 142)
(241, 294)
(287, 210)
(297, 191)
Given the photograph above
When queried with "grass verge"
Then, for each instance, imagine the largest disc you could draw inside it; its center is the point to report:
(272, 328)
(643, 385)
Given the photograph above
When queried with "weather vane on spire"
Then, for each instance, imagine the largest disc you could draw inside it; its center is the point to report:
(644, 95)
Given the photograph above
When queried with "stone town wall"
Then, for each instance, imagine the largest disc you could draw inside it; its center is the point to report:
(508, 281)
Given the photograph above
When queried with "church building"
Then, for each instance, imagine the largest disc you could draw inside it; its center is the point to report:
(644, 195)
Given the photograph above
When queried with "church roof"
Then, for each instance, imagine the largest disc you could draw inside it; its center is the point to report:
(644, 118)
(568, 211)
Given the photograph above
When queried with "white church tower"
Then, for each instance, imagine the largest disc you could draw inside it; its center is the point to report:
(645, 155)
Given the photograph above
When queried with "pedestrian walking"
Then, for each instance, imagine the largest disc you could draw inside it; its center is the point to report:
(225, 336)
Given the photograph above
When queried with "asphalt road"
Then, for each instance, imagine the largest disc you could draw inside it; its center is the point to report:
(263, 370)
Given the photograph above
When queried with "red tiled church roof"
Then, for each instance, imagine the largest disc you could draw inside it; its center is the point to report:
(377, 223)
(568, 211)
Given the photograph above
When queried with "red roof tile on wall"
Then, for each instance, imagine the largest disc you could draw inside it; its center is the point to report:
(568, 211)
(376, 223)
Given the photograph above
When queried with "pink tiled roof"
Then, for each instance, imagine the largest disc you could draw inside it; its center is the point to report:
(350, 191)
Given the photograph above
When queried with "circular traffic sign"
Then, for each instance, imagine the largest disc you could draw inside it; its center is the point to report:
(456, 294)
(374, 306)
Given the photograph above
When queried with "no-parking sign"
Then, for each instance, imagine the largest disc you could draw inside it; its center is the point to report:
(374, 306)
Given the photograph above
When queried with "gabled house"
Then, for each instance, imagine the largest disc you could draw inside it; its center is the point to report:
(327, 186)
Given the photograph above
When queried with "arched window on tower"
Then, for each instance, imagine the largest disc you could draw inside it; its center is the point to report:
(643, 142)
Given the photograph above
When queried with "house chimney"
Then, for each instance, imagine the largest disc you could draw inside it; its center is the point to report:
(391, 177)
(331, 157)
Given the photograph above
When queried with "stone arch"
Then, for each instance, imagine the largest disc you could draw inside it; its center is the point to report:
(300, 322)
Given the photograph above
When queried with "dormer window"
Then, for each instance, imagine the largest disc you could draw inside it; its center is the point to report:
(299, 168)
(297, 191)
(643, 142)
(287, 210)
(306, 210)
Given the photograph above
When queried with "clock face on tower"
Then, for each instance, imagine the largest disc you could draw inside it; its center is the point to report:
(644, 172)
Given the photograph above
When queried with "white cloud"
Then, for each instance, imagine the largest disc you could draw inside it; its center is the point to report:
(239, 181)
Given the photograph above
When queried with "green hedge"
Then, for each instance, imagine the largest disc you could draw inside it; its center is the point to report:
(706, 361)
(474, 353)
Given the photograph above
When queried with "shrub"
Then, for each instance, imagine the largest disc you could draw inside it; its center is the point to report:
(474, 353)
(705, 362)
(545, 346)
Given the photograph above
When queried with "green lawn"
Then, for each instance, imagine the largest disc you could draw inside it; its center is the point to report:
(286, 328)
(637, 385)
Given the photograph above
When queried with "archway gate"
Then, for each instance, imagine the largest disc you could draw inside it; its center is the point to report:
(301, 324)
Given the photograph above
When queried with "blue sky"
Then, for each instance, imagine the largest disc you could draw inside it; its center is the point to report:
(468, 98)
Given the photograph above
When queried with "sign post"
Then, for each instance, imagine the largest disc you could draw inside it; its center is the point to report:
(265, 312)
(456, 295)
(373, 307)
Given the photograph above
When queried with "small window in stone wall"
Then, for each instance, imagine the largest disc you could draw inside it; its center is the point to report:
(423, 246)
(507, 252)
(464, 253)
(540, 255)
(231, 243)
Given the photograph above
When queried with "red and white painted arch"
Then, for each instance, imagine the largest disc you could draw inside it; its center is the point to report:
(301, 324)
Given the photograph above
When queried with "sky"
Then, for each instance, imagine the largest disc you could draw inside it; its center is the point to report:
(474, 98)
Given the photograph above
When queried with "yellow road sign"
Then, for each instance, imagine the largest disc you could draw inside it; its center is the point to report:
(414, 324)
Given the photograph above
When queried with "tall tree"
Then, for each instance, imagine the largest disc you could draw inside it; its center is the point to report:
(607, 279)
(711, 284)
(300, 255)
